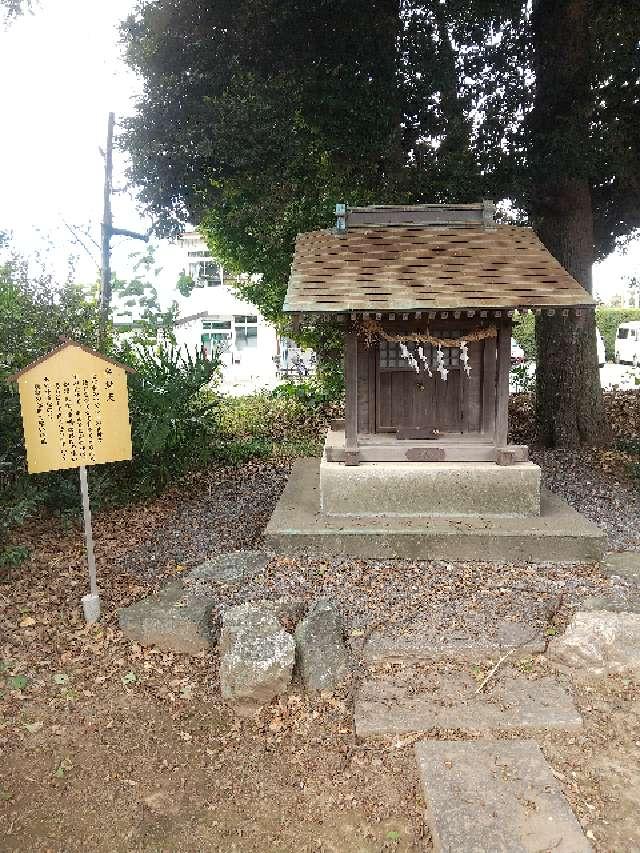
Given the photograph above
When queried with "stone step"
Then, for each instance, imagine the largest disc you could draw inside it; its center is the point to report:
(495, 797)
(408, 702)
(422, 640)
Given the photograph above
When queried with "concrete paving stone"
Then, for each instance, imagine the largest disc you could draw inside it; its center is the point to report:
(614, 604)
(425, 641)
(172, 619)
(411, 702)
(495, 797)
(234, 567)
(624, 564)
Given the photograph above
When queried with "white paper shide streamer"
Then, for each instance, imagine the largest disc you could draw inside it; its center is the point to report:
(424, 360)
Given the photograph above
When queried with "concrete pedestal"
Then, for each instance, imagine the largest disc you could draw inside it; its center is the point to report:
(429, 489)
(558, 534)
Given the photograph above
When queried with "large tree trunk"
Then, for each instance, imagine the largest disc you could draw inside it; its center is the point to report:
(569, 397)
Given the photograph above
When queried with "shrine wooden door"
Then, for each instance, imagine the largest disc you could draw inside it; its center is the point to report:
(406, 399)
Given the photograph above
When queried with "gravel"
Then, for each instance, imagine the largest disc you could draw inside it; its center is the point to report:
(594, 492)
(238, 502)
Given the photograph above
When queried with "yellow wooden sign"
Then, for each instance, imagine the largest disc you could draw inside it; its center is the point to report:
(75, 410)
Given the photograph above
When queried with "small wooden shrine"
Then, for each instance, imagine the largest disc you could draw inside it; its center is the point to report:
(426, 294)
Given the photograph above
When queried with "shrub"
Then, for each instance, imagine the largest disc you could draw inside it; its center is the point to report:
(524, 331)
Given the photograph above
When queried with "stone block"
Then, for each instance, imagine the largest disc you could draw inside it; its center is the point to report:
(495, 797)
(257, 657)
(600, 642)
(405, 703)
(322, 657)
(434, 488)
(173, 619)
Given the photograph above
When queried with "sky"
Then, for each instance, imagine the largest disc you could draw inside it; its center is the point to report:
(62, 72)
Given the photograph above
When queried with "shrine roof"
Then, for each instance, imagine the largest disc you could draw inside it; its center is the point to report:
(412, 268)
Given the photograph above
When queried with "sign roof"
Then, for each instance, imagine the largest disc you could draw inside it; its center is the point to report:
(67, 342)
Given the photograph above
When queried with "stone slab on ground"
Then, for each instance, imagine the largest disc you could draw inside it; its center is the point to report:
(599, 642)
(612, 603)
(233, 567)
(425, 641)
(623, 564)
(558, 534)
(436, 488)
(172, 619)
(495, 797)
(404, 703)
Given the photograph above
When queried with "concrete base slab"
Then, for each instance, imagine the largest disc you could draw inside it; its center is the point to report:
(173, 619)
(559, 534)
(424, 641)
(429, 488)
(404, 703)
(495, 797)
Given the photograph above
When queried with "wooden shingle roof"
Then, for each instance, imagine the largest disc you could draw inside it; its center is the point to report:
(412, 268)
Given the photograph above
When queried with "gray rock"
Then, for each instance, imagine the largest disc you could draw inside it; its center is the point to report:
(257, 656)
(322, 657)
(234, 567)
(600, 642)
(172, 619)
(497, 797)
(287, 610)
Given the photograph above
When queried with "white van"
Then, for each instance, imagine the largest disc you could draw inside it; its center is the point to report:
(628, 343)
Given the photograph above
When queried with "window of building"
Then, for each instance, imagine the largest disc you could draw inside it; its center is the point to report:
(246, 329)
(206, 272)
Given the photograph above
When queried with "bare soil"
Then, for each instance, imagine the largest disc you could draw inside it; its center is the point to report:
(110, 746)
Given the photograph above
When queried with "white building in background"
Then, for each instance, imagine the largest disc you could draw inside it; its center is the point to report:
(212, 316)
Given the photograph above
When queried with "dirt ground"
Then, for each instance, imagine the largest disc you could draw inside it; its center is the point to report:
(110, 746)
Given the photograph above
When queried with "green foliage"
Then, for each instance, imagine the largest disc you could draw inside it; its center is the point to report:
(135, 303)
(608, 320)
(270, 113)
(524, 332)
(291, 421)
(173, 415)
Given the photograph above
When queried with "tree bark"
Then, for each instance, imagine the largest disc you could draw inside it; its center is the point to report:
(569, 398)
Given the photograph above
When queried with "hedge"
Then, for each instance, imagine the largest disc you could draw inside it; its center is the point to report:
(607, 320)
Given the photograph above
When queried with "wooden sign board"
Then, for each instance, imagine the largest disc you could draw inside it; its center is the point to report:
(75, 410)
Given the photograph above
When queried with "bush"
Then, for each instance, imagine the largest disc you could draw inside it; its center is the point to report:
(292, 420)
(524, 332)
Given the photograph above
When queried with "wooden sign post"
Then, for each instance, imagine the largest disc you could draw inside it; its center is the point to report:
(75, 412)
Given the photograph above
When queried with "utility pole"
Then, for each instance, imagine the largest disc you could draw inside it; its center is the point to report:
(107, 231)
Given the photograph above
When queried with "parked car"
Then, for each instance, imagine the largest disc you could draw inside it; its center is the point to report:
(600, 347)
(628, 343)
(517, 353)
